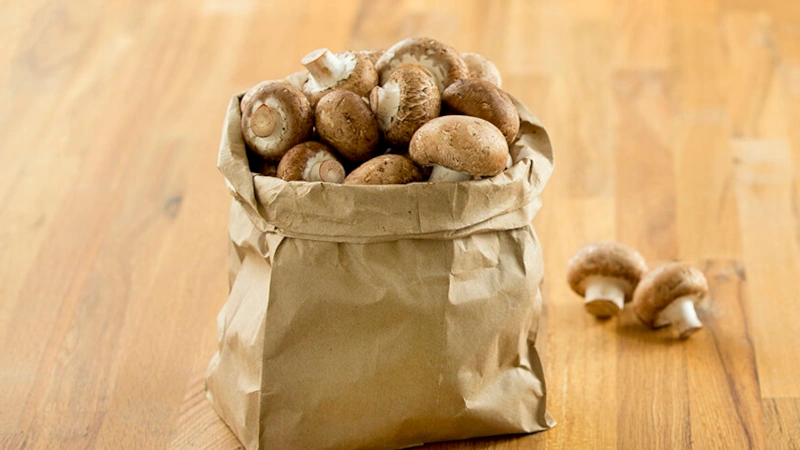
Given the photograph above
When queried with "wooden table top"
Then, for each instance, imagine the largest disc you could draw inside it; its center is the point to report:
(676, 126)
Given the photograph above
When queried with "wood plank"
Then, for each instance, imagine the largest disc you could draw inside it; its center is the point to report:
(643, 35)
(768, 220)
(783, 422)
(724, 396)
(652, 387)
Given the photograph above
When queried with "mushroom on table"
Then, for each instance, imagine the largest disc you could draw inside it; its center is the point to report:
(275, 117)
(667, 296)
(310, 161)
(605, 274)
(459, 148)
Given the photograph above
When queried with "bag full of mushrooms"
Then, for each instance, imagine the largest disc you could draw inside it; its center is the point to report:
(384, 274)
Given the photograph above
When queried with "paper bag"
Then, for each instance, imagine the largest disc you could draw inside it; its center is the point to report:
(381, 316)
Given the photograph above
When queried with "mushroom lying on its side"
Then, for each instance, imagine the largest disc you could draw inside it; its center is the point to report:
(667, 296)
(438, 58)
(385, 169)
(605, 274)
(310, 161)
(345, 122)
(275, 117)
(459, 148)
(479, 98)
(480, 67)
(407, 100)
(351, 71)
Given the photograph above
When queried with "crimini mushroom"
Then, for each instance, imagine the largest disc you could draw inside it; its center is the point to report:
(385, 169)
(407, 100)
(297, 79)
(459, 148)
(479, 98)
(310, 161)
(351, 71)
(441, 60)
(345, 122)
(605, 274)
(275, 117)
(480, 67)
(372, 55)
(667, 296)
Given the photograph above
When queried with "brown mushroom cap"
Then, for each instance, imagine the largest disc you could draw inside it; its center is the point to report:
(385, 169)
(663, 285)
(372, 55)
(442, 61)
(479, 98)
(606, 259)
(297, 164)
(417, 102)
(358, 74)
(345, 122)
(462, 143)
(480, 67)
(275, 117)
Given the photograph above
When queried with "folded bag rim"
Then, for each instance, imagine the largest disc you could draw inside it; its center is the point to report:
(313, 210)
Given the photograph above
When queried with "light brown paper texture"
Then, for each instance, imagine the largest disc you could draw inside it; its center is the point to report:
(381, 316)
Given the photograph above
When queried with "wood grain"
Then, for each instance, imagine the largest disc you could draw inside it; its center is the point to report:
(676, 127)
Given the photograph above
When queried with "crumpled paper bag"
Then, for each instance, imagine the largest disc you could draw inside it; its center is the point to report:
(381, 316)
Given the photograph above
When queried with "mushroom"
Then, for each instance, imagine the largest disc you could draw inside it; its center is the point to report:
(667, 296)
(407, 100)
(480, 67)
(372, 55)
(385, 169)
(345, 122)
(605, 274)
(310, 161)
(438, 58)
(297, 79)
(459, 148)
(275, 117)
(350, 71)
(479, 98)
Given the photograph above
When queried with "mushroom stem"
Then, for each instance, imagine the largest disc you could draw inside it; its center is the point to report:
(604, 297)
(263, 121)
(682, 315)
(386, 103)
(441, 173)
(322, 167)
(325, 67)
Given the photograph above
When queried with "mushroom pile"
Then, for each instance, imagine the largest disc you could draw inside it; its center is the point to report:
(418, 111)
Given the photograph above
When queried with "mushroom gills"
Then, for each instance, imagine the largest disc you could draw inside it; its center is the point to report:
(605, 296)
(323, 167)
(387, 103)
(436, 70)
(441, 173)
(327, 69)
(682, 315)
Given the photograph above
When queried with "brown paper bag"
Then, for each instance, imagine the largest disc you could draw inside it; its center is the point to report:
(381, 316)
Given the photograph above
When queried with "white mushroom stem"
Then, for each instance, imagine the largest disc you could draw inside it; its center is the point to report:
(680, 314)
(323, 167)
(386, 103)
(325, 67)
(605, 290)
(441, 173)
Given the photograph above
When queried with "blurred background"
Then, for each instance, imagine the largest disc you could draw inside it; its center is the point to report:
(676, 128)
